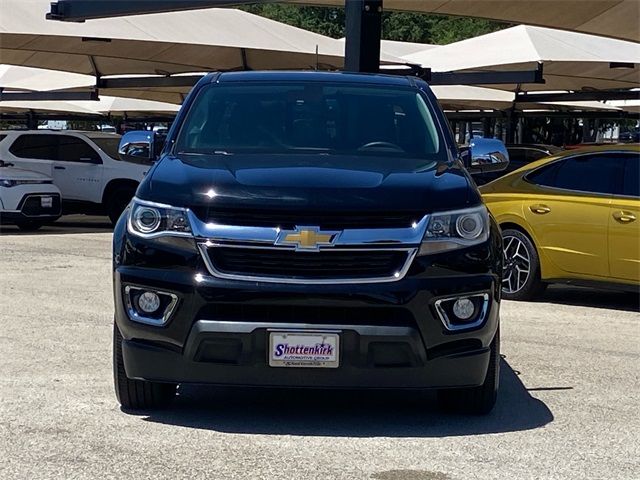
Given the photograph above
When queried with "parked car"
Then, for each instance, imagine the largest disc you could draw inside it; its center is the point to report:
(27, 199)
(630, 136)
(84, 165)
(308, 229)
(519, 156)
(570, 218)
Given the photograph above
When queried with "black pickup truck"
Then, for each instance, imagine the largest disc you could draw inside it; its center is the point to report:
(308, 229)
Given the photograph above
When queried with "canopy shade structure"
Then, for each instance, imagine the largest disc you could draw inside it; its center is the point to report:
(38, 79)
(612, 18)
(48, 107)
(572, 106)
(393, 48)
(631, 106)
(571, 61)
(609, 18)
(159, 44)
(15, 79)
(130, 106)
(463, 97)
(105, 106)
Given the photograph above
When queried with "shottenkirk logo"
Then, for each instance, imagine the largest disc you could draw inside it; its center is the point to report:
(307, 238)
(319, 349)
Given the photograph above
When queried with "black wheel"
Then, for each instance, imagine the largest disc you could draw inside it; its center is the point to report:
(29, 225)
(118, 201)
(521, 275)
(476, 400)
(137, 394)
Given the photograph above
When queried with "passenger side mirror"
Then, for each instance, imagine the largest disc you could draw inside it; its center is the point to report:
(484, 155)
(140, 146)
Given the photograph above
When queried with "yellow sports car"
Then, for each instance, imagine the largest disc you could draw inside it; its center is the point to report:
(573, 217)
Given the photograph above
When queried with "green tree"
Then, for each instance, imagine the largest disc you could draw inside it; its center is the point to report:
(401, 26)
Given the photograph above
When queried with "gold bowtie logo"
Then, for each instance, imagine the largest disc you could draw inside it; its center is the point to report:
(306, 238)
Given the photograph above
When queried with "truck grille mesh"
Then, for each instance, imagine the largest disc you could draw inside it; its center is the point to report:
(328, 264)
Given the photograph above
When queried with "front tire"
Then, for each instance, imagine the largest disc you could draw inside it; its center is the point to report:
(476, 400)
(137, 394)
(521, 276)
(29, 225)
(117, 202)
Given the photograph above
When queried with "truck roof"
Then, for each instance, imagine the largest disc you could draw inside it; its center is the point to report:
(313, 76)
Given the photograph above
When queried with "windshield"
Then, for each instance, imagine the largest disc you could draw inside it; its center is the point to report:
(311, 118)
(108, 145)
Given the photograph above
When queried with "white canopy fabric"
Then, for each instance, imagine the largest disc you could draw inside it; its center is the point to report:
(609, 18)
(46, 106)
(16, 78)
(589, 106)
(130, 106)
(393, 48)
(160, 44)
(400, 49)
(106, 105)
(464, 97)
(38, 79)
(632, 106)
(571, 61)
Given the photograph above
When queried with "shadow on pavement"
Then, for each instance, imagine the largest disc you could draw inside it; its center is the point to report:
(65, 225)
(340, 413)
(592, 297)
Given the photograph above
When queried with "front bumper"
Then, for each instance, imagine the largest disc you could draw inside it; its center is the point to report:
(391, 335)
(29, 207)
(372, 357)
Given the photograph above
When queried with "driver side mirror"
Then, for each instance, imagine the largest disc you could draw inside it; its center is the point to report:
(140, 146)
(484, 155)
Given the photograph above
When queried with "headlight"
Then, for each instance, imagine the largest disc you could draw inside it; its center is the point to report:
(149, 219)
(5, 182)
(455, 229)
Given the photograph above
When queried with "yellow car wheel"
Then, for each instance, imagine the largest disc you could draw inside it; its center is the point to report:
(521, 271)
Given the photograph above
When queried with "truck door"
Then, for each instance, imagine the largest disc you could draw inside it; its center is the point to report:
(34, 152)
(624, 223)
(77, 170)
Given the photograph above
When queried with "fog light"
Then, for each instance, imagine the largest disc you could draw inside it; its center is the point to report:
(149, 302)
(463, 308)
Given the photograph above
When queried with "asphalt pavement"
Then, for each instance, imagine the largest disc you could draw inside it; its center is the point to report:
(568, 405)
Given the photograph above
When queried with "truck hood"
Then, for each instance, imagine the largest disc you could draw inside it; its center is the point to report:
(309, 183)
(12, 173)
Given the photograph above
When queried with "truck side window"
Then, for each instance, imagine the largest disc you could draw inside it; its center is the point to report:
(41, 147)
(583, 173)
(631, 183)
(73, 149)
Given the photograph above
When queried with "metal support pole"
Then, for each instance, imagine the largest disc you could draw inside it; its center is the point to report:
(32, 120)
(486, 127)
(363, 33)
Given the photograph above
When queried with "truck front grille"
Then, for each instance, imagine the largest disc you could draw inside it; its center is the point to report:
(31, 205)
(329, 264)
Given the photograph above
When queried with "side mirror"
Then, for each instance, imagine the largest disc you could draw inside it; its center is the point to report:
(484, 155)
(140, 146)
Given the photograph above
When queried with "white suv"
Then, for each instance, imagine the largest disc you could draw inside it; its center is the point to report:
(27, 199)
(84, 165)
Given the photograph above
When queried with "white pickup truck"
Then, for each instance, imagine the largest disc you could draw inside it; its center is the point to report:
(84, 165)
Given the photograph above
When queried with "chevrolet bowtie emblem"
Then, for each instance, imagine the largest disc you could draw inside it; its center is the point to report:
(306, 238)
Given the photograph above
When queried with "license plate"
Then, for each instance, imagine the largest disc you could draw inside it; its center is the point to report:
(46, 202)
(304, 349)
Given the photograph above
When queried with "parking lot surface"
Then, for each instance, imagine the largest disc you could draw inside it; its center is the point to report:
(568, 405)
